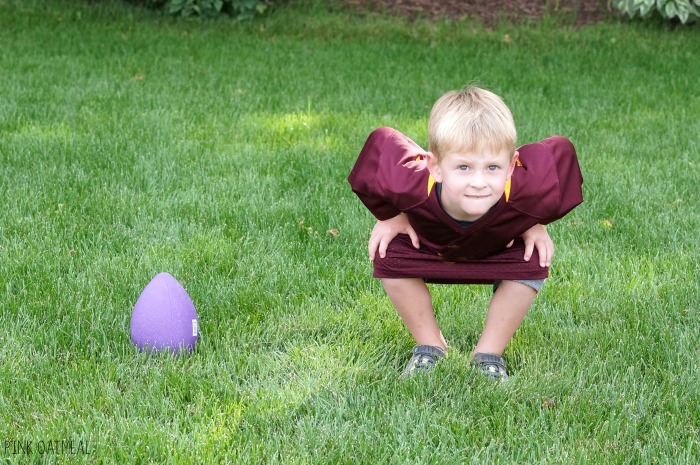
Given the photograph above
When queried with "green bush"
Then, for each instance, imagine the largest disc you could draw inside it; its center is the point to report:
(684, 10)
(240, 9)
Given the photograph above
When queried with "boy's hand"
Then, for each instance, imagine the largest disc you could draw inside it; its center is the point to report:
(385, 231)
(537, 236)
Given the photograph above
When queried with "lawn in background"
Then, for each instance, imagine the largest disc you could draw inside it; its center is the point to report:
(132, 143)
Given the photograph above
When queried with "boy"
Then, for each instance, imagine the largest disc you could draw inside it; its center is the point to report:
(470, 211)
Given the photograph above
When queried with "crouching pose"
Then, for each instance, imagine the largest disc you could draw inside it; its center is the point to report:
(469, 211)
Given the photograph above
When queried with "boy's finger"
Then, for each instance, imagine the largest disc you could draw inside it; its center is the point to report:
(372, 247)
(414, 238)
(543, 250)
(529, 247)
(382, 248)
(550, 253)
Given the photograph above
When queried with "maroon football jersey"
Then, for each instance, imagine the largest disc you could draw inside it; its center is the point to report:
(391, 176)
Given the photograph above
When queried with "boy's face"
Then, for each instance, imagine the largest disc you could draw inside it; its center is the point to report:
(472, 182)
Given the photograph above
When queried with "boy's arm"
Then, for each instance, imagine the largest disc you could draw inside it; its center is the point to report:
(385, 231)
(570, 180)
(548, 184)
(390, 174)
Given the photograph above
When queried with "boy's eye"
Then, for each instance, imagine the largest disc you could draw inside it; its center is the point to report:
(463, 167)
(493, 167)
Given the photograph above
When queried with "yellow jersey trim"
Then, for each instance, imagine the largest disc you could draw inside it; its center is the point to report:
(506, 190)
(431, 183)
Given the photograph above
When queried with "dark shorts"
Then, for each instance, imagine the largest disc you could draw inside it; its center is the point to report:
(404, 261)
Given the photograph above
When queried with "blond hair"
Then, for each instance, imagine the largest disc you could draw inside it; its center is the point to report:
(470, 120)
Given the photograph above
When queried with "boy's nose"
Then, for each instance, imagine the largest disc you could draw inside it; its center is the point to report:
(478, 180)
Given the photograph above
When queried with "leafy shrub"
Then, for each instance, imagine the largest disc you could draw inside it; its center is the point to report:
(684, 10)
(240, 9)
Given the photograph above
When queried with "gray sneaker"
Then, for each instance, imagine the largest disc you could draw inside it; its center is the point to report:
(491, 365)
(423, 359)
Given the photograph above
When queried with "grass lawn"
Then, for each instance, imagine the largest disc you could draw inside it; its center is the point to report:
(132, 143)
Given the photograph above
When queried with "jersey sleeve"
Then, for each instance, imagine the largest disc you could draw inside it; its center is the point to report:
(548, 184)
(390, 175)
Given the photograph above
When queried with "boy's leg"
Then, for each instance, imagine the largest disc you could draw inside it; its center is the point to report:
(509, 305)
(411, 299)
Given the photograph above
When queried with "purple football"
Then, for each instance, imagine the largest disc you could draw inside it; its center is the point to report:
(164, 317)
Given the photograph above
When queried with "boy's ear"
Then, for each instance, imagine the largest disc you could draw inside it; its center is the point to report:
(433, 167)
(513, 163)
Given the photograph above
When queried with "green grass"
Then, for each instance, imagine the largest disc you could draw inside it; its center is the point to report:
(132, 143)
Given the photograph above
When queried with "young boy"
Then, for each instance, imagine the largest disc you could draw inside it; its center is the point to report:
(470, 211)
